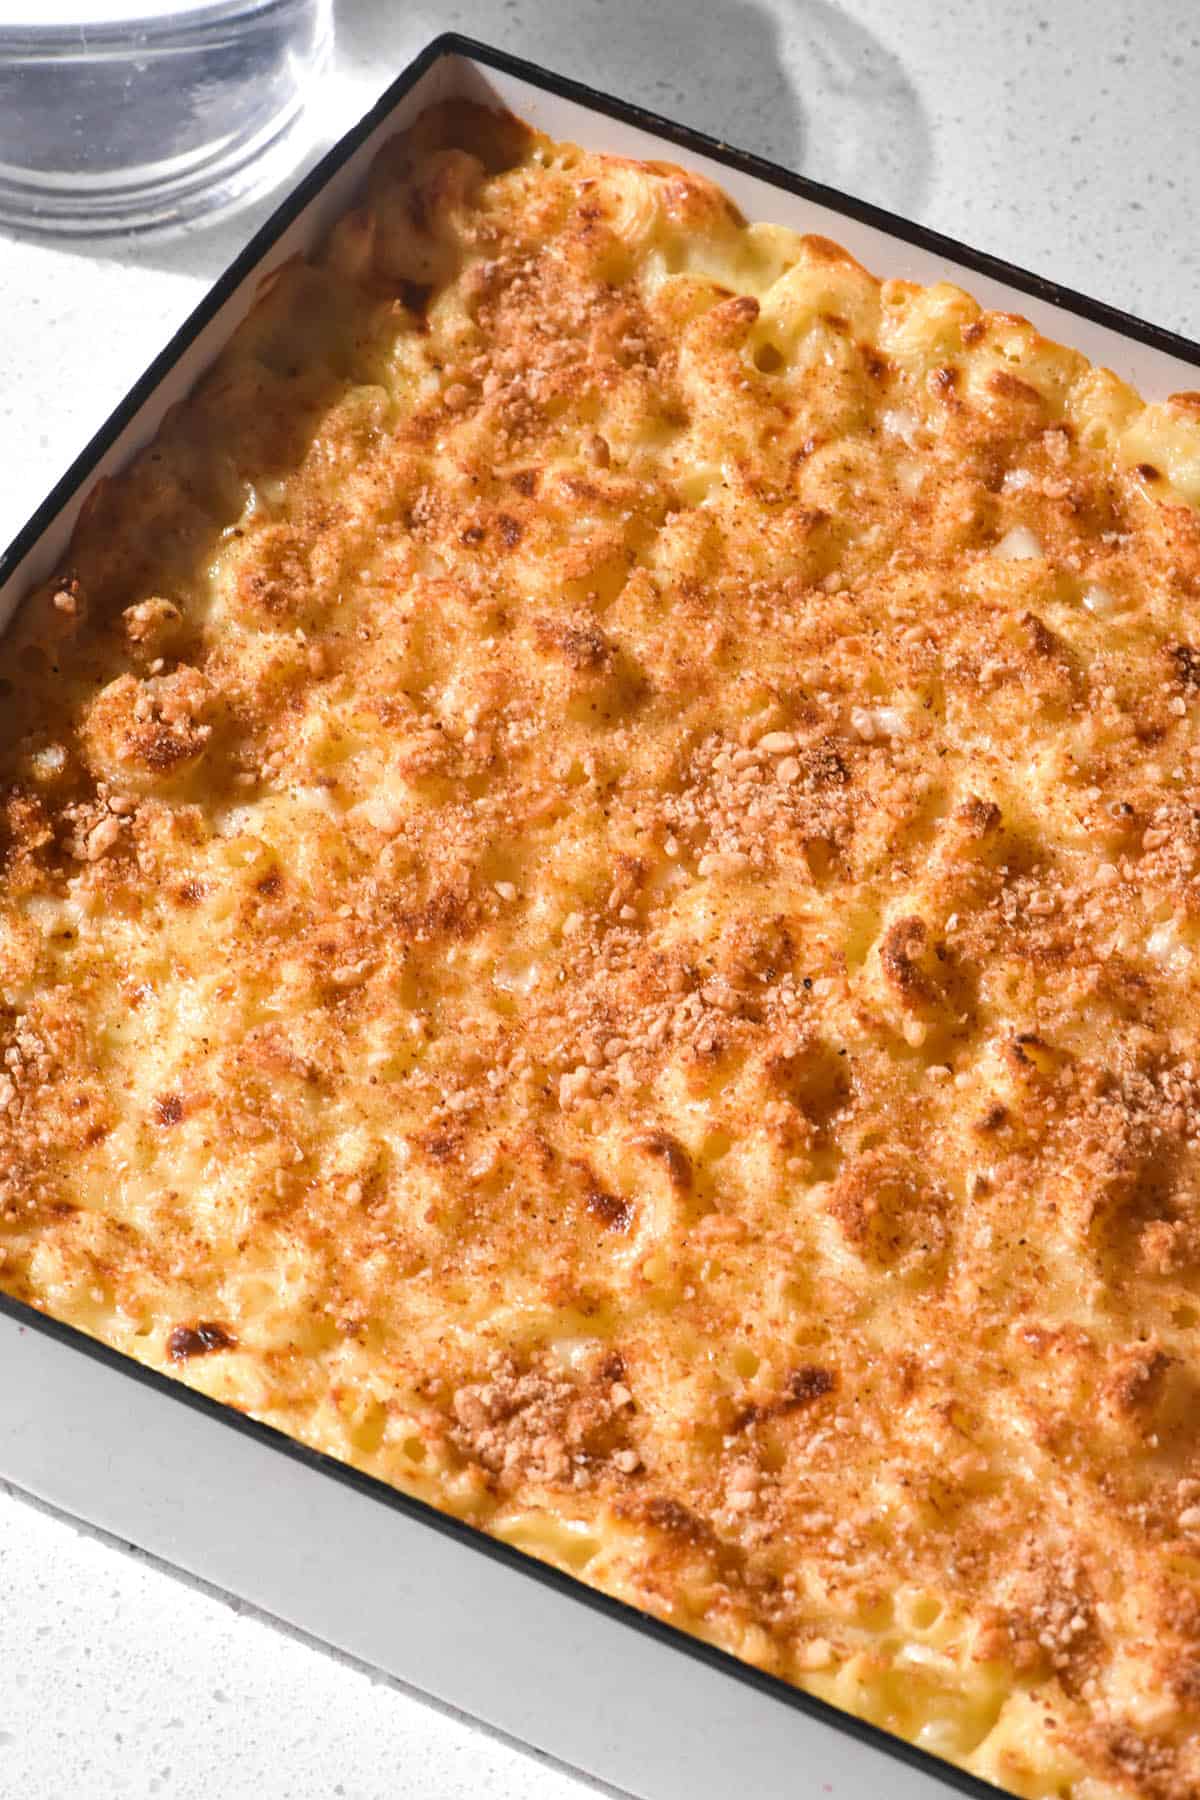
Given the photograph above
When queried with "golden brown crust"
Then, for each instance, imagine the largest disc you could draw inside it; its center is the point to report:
(599, 904)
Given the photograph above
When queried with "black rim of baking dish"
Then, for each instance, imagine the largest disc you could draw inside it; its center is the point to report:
(454, 44)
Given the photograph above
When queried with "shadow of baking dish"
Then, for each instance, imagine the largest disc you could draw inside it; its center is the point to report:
(796, 82)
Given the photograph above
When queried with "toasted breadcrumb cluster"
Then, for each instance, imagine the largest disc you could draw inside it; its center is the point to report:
(600, 915)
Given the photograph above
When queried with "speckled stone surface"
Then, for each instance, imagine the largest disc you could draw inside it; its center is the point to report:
(1059, 134)
(119, 1680)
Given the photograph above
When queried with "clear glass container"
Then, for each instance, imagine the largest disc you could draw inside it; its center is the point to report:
(120, 115)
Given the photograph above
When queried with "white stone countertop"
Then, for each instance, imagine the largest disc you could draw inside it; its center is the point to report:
(1059, 134)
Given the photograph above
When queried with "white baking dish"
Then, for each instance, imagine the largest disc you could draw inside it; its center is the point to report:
(336, 1553)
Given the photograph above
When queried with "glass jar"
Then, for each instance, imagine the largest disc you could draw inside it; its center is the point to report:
(119, 115)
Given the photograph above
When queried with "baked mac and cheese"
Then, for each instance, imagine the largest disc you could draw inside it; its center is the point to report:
(600, 916)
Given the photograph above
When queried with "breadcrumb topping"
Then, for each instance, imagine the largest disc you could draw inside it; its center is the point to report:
(600, 915)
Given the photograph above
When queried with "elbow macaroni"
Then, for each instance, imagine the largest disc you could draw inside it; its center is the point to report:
(599, 903)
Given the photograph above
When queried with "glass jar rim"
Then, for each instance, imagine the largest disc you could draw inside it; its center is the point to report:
(55, 15)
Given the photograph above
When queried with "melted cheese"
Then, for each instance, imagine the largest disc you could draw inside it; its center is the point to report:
(598, 917)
